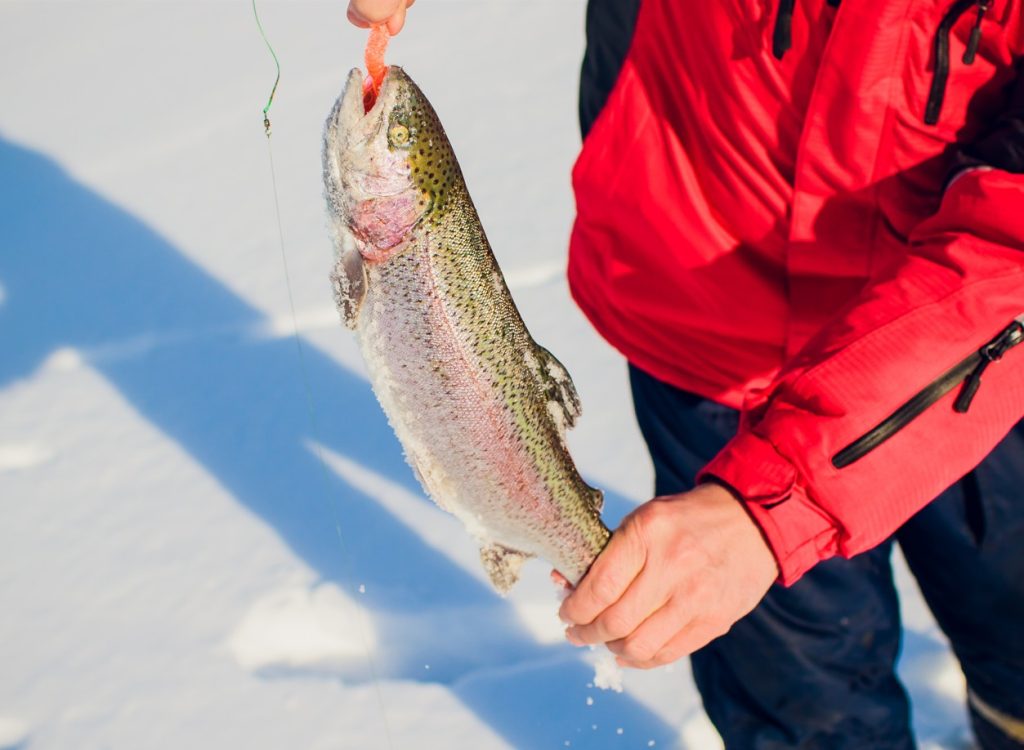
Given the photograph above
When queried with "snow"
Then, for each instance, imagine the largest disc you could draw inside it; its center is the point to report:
(192, 557)
(13, 733)
(302, 629)
(22, 456)
(608, 675)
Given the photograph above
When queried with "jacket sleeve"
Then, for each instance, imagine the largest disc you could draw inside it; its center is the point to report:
(960, 285)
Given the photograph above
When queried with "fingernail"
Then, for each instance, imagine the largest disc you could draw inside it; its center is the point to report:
(570, 635)
(559, 580)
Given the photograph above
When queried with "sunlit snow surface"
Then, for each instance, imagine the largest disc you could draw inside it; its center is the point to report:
(178, 566)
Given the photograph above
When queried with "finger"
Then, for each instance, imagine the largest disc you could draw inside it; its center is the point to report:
(357, 19)
(397, 21)
(608, 578)
(366, 14)
(561, 581)
(649, 638)
(692, 638)
(642, 599)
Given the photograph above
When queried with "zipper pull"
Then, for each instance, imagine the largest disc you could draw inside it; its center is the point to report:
(993, 351)
(975, 38)
(782, 34)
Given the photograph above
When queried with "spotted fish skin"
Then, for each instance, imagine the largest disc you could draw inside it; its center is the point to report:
(480, 408)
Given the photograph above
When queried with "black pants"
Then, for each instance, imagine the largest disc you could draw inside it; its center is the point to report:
(813, 665)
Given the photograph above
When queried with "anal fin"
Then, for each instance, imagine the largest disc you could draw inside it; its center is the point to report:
(502, 565)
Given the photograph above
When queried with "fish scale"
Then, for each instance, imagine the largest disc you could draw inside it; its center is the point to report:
(480, 409)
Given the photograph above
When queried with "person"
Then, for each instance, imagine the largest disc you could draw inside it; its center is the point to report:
(802, 223)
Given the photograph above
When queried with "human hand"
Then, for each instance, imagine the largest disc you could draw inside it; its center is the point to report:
(678, 572)
(367, 13)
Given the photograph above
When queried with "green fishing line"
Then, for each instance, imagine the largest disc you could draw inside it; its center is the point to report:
(266, 119)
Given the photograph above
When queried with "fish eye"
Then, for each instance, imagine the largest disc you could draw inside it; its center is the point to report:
(398, 135)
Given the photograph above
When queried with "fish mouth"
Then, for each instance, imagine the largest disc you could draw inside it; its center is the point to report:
(350, 125)
(361, 100)
(352, 105)
(357, 163)
(350, 121)
(370, 90)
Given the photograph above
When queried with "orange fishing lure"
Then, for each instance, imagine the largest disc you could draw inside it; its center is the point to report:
(376, 45)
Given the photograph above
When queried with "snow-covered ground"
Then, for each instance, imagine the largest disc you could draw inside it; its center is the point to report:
(190, 556)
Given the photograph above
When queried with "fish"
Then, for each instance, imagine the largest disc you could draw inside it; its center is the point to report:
(481, 410)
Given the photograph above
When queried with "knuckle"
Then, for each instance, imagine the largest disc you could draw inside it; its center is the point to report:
(700, 588)
(616, 625)
(667, 655)
(583, 634)
(661, 660)
(605, 588)
(651, 523)
(645, 517)
(638, 649)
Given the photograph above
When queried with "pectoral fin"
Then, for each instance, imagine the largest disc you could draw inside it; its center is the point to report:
(502, 565)
(349, 281)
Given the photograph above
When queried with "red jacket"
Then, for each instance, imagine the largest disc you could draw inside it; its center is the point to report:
(778, 235)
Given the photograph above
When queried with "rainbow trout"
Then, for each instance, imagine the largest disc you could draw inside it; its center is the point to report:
(480, 408)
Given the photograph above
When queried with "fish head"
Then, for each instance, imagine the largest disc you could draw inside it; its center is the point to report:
(387, 164)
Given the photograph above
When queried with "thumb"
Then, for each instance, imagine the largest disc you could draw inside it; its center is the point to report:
(397, 21)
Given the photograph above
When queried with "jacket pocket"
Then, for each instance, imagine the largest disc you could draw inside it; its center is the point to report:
(967, 374)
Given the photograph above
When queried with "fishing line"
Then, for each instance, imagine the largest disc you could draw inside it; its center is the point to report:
(273, 90)
(317, 445)
(310, 407)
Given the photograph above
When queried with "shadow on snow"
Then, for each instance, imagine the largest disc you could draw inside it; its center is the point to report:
(78, 271)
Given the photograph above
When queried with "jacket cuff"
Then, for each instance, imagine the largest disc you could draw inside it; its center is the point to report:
(799, 533)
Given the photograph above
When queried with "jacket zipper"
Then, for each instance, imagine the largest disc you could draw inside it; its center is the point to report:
(968, 373)
(941, 51)
(782, 33)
